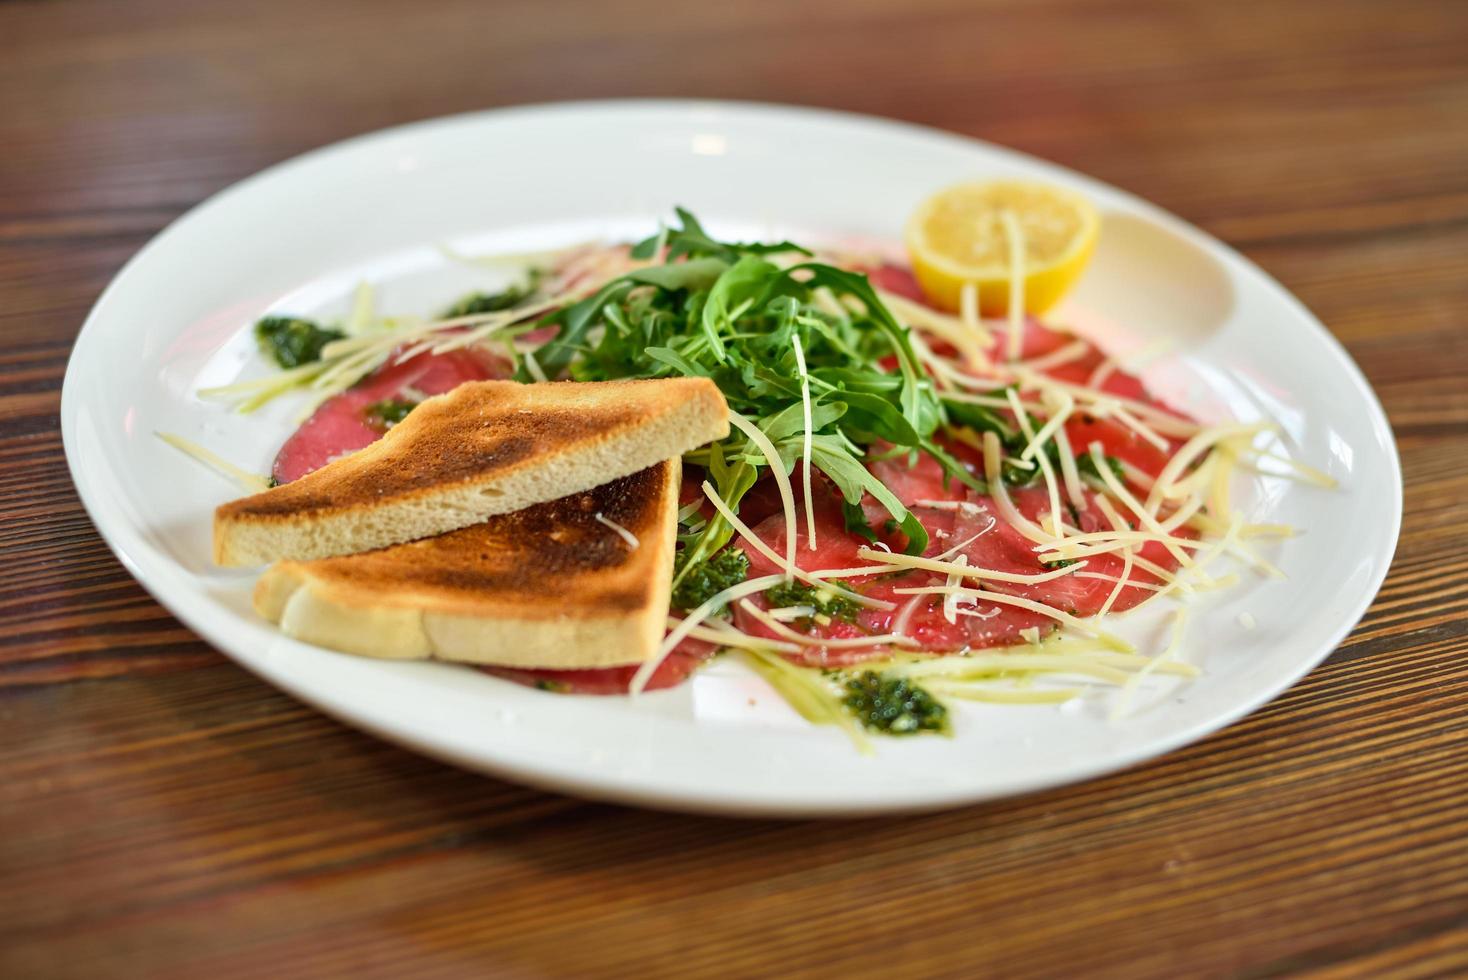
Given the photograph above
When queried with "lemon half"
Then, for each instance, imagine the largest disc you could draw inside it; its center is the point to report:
(960, 235)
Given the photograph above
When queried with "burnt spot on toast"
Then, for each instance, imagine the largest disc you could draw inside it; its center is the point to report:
(553, 556)
(474, 434)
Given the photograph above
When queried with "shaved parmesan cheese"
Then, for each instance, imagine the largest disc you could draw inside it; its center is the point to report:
(805, 640)
(1073, 351)
(361, 315)
(1140, 428)
(726, 635)
(1016, 237)
(1102, 402)
(951, 601)
(944, 556)
(1191, 450)
(1302, 471)
(532, 366)
(1002, 503)
(1069, 474)
(777, 470)
(1145, 515)
(619, 530)
(791, 569)
(1127, 560)
(1057, 526)
(962, 569)
(968, 305)
(805, 453)
(252, 482)
(1119, 709)
(1065, 619)
(1060, 409)
(969, 339)
(688, 623)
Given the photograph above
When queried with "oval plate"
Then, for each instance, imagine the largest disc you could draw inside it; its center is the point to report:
(300, 235)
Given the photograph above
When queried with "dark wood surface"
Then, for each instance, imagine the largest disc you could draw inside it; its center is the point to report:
(162, 813)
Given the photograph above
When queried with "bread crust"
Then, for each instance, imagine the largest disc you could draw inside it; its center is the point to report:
(485, 448)
(553, 586)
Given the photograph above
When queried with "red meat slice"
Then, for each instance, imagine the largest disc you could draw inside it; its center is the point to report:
(921, 617)
(674, 670)
(340, 426)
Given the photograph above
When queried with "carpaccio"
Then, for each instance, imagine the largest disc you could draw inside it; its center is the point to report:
(970, 523)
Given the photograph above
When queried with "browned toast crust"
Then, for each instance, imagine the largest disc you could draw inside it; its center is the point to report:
(547, 561)
(550, 586)
(485, 448)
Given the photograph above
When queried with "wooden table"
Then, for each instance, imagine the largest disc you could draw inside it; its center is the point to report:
(162, 813)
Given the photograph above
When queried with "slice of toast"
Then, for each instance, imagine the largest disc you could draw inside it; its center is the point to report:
(485, 448)
(556, 585)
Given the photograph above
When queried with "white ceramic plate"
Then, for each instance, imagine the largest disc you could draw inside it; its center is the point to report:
(300, 235)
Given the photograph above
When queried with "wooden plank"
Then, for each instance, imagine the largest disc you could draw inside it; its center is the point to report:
(166, 814)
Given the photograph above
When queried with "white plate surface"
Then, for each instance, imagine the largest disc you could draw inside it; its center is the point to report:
(299, 236)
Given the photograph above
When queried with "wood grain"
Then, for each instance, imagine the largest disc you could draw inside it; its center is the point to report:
(165, 814)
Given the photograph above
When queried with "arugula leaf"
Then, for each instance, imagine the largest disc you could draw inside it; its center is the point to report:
(725, 312)
(736, 290)
(921, 413)
(697, 274)
(689, 239)
(856, 521)
(855, 480)
(982, 419)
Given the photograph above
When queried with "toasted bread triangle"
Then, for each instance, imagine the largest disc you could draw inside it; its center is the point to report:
(556, 585)
(485, 448)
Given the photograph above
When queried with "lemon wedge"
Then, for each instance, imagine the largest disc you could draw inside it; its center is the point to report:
(964, 234)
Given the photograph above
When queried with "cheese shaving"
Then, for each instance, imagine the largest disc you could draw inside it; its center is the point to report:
(776, 466)
(969, 339)
(1065, 354)
(791, 569)
(532, 367)
(1071, 477)
(1127, 561)
(1301, 471)
(688, 623)
(829, 643)
(726, 635)
(1191, 450)
(1065, 619)
(1141, 428)
(1119, 709)
(962, 569)
(619, 530)
(1098, 458)
(951, 601)
(1002, 503)
(251, 482)
(805, 452)
(1016, 237)
(1047, 472)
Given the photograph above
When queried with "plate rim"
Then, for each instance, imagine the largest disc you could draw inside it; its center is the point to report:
(619, 789)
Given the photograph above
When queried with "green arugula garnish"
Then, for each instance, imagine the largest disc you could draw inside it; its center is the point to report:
(982, 419)
(1086, 466)
(727, 312)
